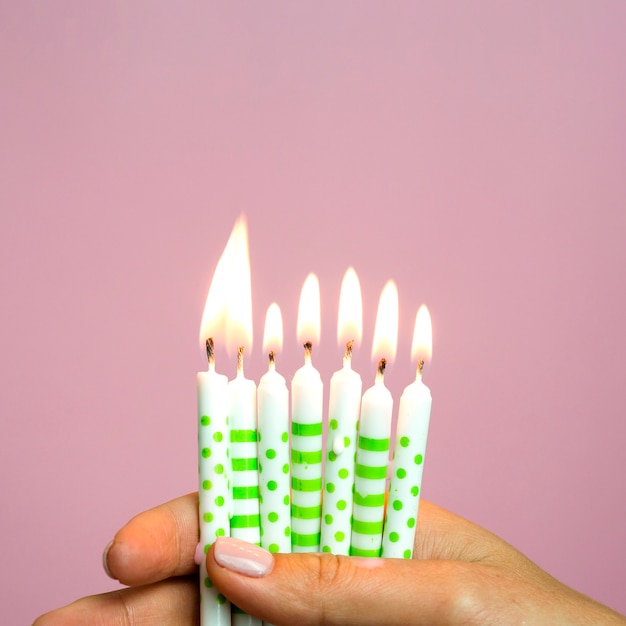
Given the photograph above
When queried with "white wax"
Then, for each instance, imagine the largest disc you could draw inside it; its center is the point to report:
(274, 473)
(372, 459)
(408, 465)
(306, 458)
(343, 415)
(213, 492)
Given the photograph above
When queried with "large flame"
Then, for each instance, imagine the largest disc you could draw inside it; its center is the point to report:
(350, 318)
(422, 347)
(309, 311)
(273, 333)
(227, 313)
(386, 329)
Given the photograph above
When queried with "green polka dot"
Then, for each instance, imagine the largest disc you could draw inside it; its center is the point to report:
(261, 531)
(346, 442)
(286, 468)
(219, 468)
(407, 554)
(219, 500)
(206, 484)
(285, 437)
(273, 517)
(207, 547)
(330, 487)
(220, 532)
(339, 536)
(286, 500)
(207, 582)
(341, 505)
(287, 531)
(343, 473)
(394, 537)
(218, 436)
(410, 522)
(401, 473)
(328, 518)
(220, 598)
(333, 424)
(260, 468)
(206, 453)
(418, 459)
(260, 499)
(208, 517)
(259, 436)
(415, 490)
(332, 456)
(227, 420)
(357, 425)
(227, 453)
(270, 454)
(272, 485)
(397, 505)
(404, 442)
(205, 420)
(274, 547)
(326, 549)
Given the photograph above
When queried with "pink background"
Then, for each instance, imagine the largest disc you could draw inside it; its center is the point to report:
(473, 151)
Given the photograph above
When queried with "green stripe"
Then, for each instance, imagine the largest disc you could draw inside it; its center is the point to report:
(309, 541)
(367, 528)
(236, 609)
(306, 457)
(306, 430)
(245, 521)
(241, 465)
(377, 499)
(374, 445)
(367, 471)
(306, 512)
(361, 552)
(243, 436)
(245, 493)
(314, 484)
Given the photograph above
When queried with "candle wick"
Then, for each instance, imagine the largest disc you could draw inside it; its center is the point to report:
(420, 367)
(272, 360)
(380, 372)
(308, 350)
(348, 353)
(210, 351)
(240, 360)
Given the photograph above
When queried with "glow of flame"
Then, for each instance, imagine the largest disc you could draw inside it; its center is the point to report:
(228, 310)
(386, 329)
(350, 318)
(309, 311)
(273, 334)
(422, 347)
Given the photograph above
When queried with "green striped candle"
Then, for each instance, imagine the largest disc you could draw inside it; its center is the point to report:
(213, 492)
(372, 459)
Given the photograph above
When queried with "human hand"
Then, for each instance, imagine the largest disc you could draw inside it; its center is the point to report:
(461, 574)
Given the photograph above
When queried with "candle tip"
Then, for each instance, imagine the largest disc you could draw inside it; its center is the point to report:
(272, 360)
(210, 351)
(240, 359)
(348, 353)
(420, 367)
(382, 364)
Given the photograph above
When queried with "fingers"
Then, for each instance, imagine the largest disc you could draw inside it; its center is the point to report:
(171, 603)
(156, 544)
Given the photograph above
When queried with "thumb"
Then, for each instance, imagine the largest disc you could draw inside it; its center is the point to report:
(326, 589)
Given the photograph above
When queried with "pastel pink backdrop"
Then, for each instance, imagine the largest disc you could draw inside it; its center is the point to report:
(472, 151)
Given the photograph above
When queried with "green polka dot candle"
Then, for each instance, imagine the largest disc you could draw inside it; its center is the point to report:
(274, 470)
(409, 453)
(213, 492)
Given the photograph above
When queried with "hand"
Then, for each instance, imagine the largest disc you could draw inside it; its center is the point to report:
(461, 574)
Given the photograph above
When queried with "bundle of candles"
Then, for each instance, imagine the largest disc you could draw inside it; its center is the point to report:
(265, 475)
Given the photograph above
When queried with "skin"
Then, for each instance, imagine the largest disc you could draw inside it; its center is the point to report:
(460, 574)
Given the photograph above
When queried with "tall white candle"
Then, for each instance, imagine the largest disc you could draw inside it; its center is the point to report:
(213, 490)
(307, 392)
(409, 453)
(273, 422)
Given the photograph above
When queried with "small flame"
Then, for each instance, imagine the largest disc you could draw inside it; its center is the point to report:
(228, 310)
(422, 347)
(386, 330)
(350, 318)
(309, 311)
(273, 334)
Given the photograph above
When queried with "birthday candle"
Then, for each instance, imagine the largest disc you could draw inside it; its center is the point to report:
(409, 451)
(372, 455)
(306, 431)
(273, 423)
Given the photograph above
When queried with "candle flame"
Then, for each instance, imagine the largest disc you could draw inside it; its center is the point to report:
(228, 309)
(273, 334)
(350, 317)
(309, 311)
(422, 347)
(386, 329)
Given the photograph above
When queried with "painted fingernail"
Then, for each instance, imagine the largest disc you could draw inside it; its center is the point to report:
(199, 555)
(243, 557)
(105, 560)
